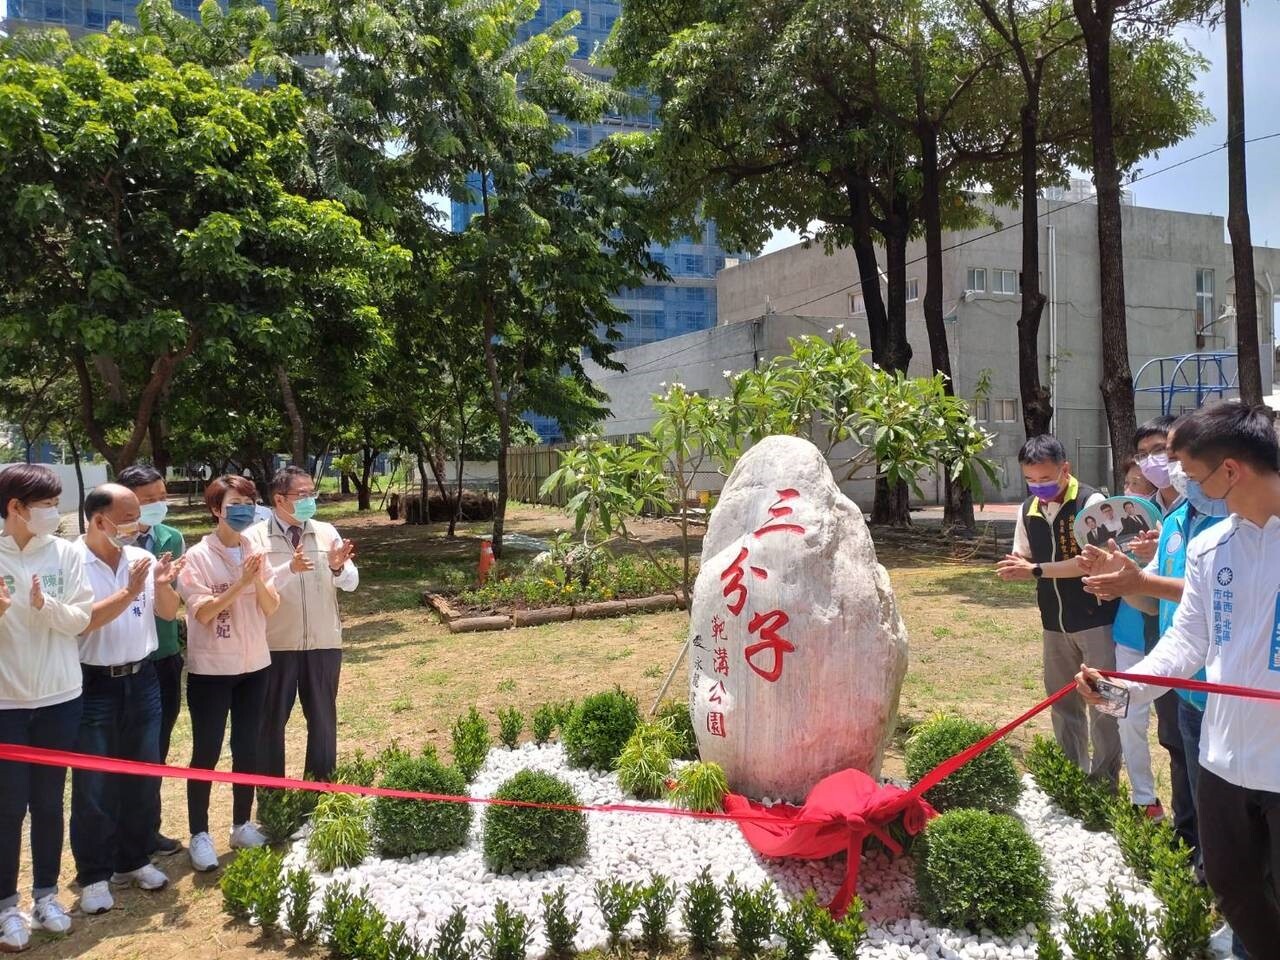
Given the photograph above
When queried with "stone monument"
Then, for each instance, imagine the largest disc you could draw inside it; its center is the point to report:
(798, 651)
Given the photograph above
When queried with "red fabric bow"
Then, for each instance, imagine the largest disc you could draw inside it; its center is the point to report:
(841, 811)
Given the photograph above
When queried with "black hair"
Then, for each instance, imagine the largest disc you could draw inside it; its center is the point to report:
(282, 482)
(138, 475)
(1045, 448)
(98, 500)
(27, 482)
(1228, 428)
(1155, 427)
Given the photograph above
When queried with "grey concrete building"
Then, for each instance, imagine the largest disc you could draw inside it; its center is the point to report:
(1179, 287)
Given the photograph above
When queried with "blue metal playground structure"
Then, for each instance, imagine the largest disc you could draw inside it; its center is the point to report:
(1188, 381)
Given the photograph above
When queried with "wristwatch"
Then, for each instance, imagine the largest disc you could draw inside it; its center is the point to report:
(1037, 571)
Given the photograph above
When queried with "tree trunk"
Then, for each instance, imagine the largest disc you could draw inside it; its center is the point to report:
(75, 459)
(864, 252)
(297, 429)
(422, 486)
(1248, 351)
(364, 484)
(500, 508)
(1117, 378)
(344, 483)
(160, 456)
(1037, 405)
(891, 503)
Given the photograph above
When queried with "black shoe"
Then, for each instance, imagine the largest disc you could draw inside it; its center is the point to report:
(163, 846)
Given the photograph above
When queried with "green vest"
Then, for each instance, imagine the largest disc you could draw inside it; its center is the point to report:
(166, 539)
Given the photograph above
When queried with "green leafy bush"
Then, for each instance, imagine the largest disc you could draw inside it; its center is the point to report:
(524, 838)
(976, 869)
(470, 743)
(703, 914)
(507, 937)
(751, 914)
(564, 711)
(645, 762)
(1047, 945)
(618, 900)
(510, 726)
(1068, 786)
(989, 781)
(844, 936)
(798, 927)
(599, 728)
(1184, 927)
(282, 812)
(544, 723)
(339, 832)
(1119, 931)
(351, 925)
(298, 915)
(236, 884)
(676, 713)
(451, 941)
(356, 769)
(405, 827)
(267, 895)
(656, 900)
(700, 786)
(561, 929)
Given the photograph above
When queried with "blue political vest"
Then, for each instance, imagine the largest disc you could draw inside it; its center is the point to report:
(1129, 629)
(1177, 531)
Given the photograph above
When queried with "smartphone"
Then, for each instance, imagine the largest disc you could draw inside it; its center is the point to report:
(1115, 698)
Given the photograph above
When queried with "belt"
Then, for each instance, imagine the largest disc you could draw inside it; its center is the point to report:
(117, 670)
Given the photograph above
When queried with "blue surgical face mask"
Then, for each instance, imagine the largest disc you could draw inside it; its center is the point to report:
(1204, 504)
(304, 508)
(153, 514)
(240, 516)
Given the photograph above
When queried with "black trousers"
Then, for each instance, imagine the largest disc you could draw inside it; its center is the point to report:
(211, 699)
(1240, 840)
(310, 676)
(169, 676)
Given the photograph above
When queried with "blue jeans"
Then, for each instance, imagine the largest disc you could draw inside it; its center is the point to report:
(1189, 722)
(34, 787)
(113, 816)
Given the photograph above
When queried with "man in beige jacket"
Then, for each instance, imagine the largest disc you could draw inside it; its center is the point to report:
(311, 564)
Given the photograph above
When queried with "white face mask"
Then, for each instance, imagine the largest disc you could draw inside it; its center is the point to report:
(43, 520)
(1177, 479)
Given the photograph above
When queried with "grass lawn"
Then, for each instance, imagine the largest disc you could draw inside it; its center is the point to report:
(975, 648)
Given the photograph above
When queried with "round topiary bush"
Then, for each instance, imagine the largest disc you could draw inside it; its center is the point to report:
(599, 728)
(523, 838)
(406, 827)
(981, 870)
(989, 781)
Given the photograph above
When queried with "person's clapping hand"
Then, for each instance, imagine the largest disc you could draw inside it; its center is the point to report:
(339, 554)
(138, 571)
(300, 563)
(1014, 567)
(6, 601)
(1143, 546)
(168, 569)
(252, 568)
(1117, 575)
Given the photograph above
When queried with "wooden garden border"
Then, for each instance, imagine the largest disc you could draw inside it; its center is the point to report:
(458, 622)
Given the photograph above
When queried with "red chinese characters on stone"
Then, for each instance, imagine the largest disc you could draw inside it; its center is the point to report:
(768, 625)
(717, 692)
(717, 628)
(715, 724)
(734, 574)
(721, 662)
(777, 512)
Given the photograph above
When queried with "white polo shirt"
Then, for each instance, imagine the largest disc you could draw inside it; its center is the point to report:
(131, 636)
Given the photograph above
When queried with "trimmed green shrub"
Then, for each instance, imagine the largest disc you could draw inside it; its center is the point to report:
(267, 889)
(406, 827)
(1047, 945)
(989, 781)
(700, 786)
(1068, 786)
(339, 832)
(676, 714)
(236, 884)
(1185, 925)
(751, 914)
(618, 901)
(645, 762)
(564, 710)
(298, 915)
(356, 769)
(524, 838)
(544, 723)
(451, 941)
(976, 869)
(507, 937)
(703, 914)
(510, 726)
(844, 936)
(470, 743)
(656, 901)
(599, 728)
(282, 812)
(1119, 931)
(351, 925)
(561, 929)
(798, 927)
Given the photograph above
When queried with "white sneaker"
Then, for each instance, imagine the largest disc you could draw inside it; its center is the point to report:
(203, 856)
(49, 915)
(247, 836)
(146, 877)
(15, 932)
(96, 898)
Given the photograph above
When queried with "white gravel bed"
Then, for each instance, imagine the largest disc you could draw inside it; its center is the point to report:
(422, 891)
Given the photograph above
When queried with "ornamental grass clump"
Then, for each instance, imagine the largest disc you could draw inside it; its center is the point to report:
(645, 762)
(406, 827)
(989, 781)
(471, 743)
(700, 787)
(675, 713)
(527, 838)
(339, 832)
(599, 728)
(976, 869)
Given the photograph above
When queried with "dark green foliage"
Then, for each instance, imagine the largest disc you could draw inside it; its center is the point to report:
(699, 786)
(451, 941)
(989, 781)
(1068, 786)
(564, 710)
(676, 713)
(510, 726)
(522, 838)
(544, 723)
(599, 728)
(1047, 945)
(470, 743)
(356, 769)
(266, 896)
(1184, 927)
(656, 900)
(618, 901)
(236, 884)
(645, 762)
(406, 827)
(751, 914)
(844, 936)
(351, 925)
(798, 927)
(339, 832)
(298, 915)
(561, 929)
(703, 914)
(1119, 931)
(282, 812)
(976, 869)
(507, 937)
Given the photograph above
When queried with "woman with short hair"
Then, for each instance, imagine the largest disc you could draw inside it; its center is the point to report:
(229, 592)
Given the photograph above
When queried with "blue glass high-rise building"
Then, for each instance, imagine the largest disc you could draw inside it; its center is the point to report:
(86, 16)
(657, 310)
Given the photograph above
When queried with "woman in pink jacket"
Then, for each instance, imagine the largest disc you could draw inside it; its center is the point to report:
(229, 592)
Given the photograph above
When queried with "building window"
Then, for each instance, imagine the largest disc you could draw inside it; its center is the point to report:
(1006, 411)
(913, 290)
(857, 306)
(980, 409)
(1205, 306)
(976, 282)
(1004, 281)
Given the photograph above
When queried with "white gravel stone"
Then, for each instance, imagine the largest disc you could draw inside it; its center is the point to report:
(422, 891)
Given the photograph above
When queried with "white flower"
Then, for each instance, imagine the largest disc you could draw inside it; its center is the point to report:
(839, 326)
(831, 329)
(728, 374)
(663, 384)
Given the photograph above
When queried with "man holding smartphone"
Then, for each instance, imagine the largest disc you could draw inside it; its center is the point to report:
(1229, 624)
